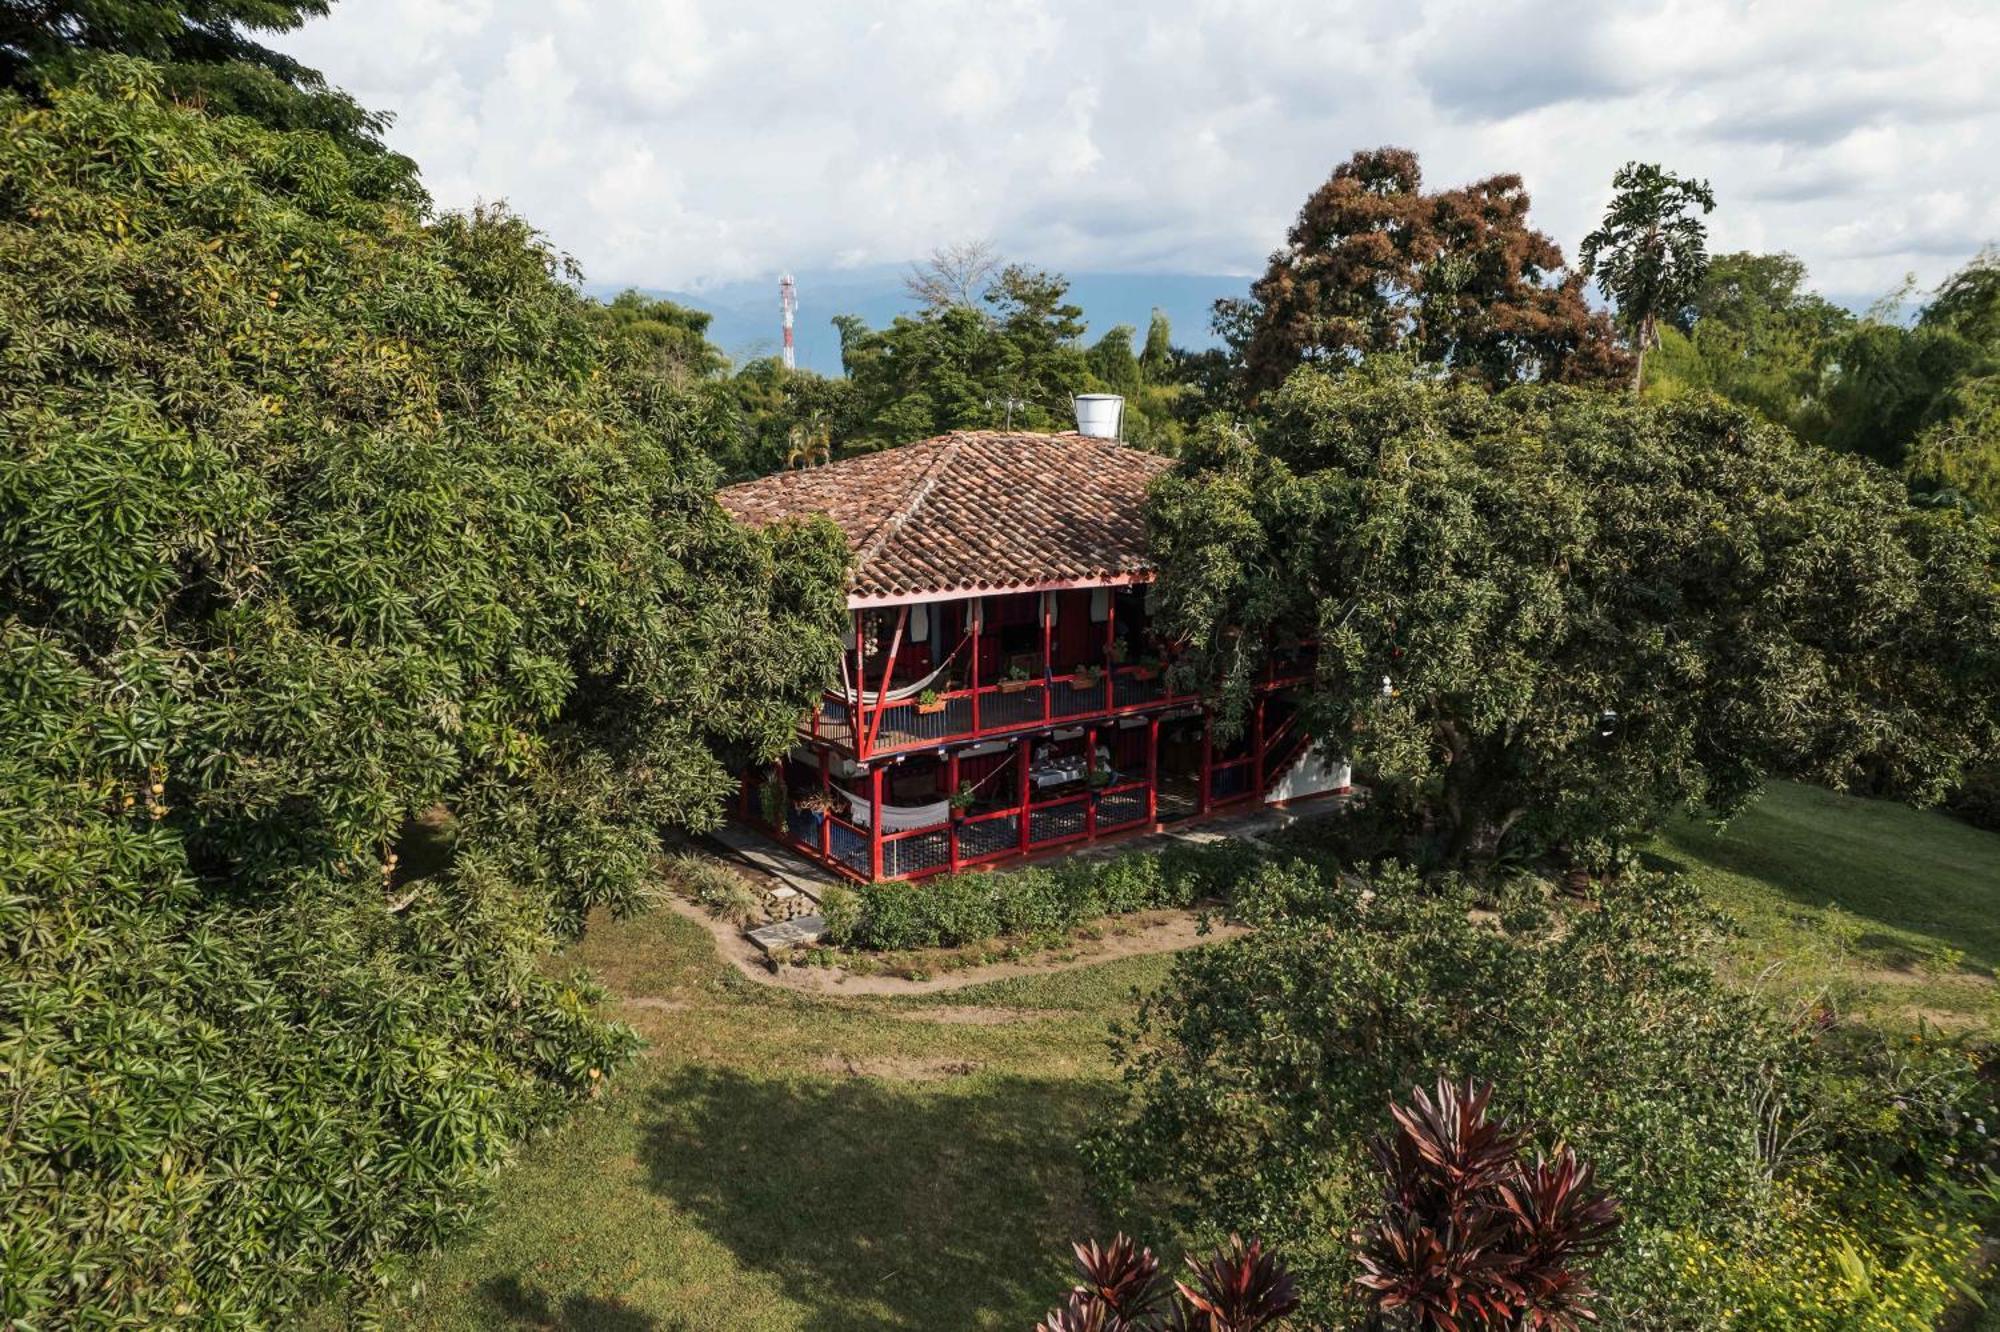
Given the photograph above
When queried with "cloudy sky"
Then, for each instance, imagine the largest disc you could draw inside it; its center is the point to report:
(672, 143)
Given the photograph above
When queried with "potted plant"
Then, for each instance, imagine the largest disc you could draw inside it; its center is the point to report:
(1098, 777)
(772, 803)
(1119, 652)
(1085, 677)
(928, 702)
(817, 802)
(1146, 668)
(962, 800)
(1015, 680)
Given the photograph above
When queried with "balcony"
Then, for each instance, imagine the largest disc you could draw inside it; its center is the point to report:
(1011, 706)
(990, 710)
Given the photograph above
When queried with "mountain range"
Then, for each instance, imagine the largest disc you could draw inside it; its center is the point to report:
(746, 325)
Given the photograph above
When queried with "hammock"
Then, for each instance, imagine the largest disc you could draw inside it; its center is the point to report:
(896, 818)
(900, 693)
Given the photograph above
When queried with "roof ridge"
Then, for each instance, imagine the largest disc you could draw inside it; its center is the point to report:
(895, 522)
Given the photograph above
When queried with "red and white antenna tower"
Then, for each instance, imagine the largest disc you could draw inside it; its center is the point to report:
(788, 301)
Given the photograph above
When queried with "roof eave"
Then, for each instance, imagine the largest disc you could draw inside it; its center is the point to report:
(871, 601)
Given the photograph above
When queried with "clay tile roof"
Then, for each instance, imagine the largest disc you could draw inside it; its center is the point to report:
(973, 511)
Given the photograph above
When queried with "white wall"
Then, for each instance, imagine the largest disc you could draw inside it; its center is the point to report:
(1313, 774)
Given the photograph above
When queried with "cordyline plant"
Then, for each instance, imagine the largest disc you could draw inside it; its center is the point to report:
(1472, 1234)
(1238, 1288)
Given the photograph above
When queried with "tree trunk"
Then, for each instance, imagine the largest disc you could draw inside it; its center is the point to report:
(1639, 362)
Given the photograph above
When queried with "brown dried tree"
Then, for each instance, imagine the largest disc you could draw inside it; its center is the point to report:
(1455, 278)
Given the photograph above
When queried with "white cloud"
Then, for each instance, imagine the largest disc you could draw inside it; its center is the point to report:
(668, 142)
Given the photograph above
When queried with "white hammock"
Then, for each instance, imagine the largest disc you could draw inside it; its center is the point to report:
(902, 692)
(896, 818)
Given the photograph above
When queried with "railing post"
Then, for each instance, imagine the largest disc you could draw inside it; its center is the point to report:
(1024, 756)
(826, 813)
(1089, 791)
(875, 824)
(1257, 749)
(1207, 759)
(951, 810)
(1152, 770)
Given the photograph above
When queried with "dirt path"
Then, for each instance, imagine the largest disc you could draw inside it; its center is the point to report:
(1136, 935)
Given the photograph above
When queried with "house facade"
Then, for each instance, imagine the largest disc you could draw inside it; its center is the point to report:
(1001, 693)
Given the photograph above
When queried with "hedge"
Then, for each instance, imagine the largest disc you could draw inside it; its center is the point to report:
(951, 910)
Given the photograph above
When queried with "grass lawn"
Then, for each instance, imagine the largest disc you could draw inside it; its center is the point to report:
(778, 1161)
(1894, 912)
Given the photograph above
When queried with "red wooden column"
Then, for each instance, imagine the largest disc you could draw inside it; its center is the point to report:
(1207, 757)
(1152, 770)
(875, 823)
(976, 608)
(951, 793)
(826, 816)
(1089, 791)
(1110, 639)
(1025, 756)
(1048, 654)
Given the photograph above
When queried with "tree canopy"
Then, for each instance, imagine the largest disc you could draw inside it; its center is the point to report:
(1546, 617)
(1454, 278)
(206, 51)
(323, 521)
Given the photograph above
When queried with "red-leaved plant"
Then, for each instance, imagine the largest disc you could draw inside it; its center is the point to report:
(1472, 1234)
(1238, 1288)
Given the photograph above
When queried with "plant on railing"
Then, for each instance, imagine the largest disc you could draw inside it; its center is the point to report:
(929, 701)
(1238, 1288)
(1099, 777)
(963, 798)
(1471, 1234)
(1015, 680)
(1120, 650)
(819, 802)
(1086, 677)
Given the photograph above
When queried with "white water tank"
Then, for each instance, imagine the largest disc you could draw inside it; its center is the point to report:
(1100, 415)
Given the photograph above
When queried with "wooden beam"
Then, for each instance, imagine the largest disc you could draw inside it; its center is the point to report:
(888, 669)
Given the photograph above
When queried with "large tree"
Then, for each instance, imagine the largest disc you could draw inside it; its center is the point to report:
(208, 53)
(1456, 278)
(1013, 359)
(325, 525)
(1559, 614)
(1650, 253)
(1755, 334)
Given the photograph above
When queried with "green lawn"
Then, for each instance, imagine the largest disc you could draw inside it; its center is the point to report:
(1894, 912)
(778, 1161)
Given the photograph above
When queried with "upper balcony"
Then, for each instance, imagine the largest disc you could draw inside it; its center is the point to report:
(879, 723)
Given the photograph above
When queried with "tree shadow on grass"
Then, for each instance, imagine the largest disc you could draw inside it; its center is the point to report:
(526, 1306)
(879, 1203)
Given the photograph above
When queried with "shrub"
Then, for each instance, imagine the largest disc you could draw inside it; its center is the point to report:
(717, 888)
(840, 908)
(1257, 1066)
(951, 910)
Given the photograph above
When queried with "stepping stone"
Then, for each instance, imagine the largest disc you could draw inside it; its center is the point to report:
(799, 932)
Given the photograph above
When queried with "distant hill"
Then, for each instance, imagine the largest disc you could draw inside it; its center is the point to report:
(746, 312)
